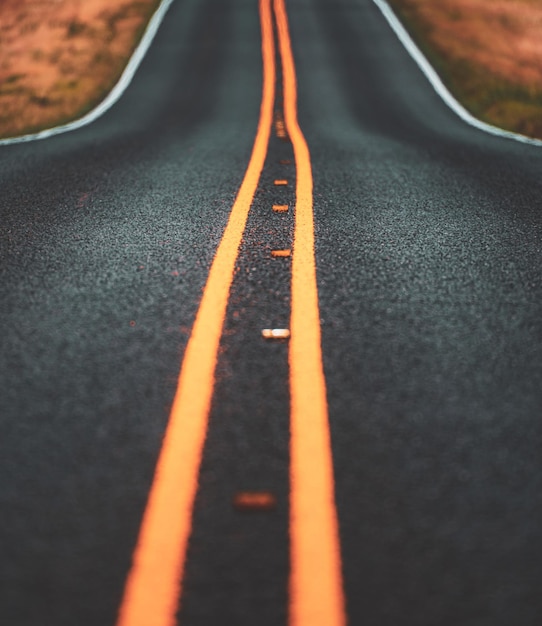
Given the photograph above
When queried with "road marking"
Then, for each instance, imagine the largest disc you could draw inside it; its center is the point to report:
(281, 253)
(316, 590)
(254, 501)
(280, 208)
(280, 128)
(280, 182)
(275, 333)
(285, 161)
(154, 583)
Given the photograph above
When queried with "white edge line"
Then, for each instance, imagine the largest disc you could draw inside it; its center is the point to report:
(115, 93)
(437, 83)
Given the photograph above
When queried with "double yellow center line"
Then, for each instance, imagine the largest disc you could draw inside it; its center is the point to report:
(154, 584)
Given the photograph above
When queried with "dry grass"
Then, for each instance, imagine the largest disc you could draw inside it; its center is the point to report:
(59, 58)
(489, 52)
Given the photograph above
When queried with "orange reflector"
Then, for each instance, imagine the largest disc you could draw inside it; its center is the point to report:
(280, 208)
(254, 501)
(281, 182)
(281, 253)
(285, 161)
(280, 129)
(275, 333)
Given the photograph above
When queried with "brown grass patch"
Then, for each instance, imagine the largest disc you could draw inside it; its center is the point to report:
(489, 52)
(60, 58)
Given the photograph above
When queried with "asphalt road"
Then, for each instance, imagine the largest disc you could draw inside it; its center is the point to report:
(429, 256)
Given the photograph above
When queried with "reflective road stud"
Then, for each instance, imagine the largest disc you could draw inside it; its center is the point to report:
(275, 333)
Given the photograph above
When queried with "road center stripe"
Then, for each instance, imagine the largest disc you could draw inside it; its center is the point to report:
(316, 590)
(153, 587)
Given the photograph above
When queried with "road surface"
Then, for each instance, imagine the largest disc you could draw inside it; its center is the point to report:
(428, 248)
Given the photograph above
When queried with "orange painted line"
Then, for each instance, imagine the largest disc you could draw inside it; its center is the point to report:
(280, 182)
(154, 583)
(316, 587)
(280, 208)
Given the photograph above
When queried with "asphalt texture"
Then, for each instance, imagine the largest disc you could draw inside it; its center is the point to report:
(429, 255)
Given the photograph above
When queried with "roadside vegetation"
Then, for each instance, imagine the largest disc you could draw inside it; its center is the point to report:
(488, 52)
(59, 59)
